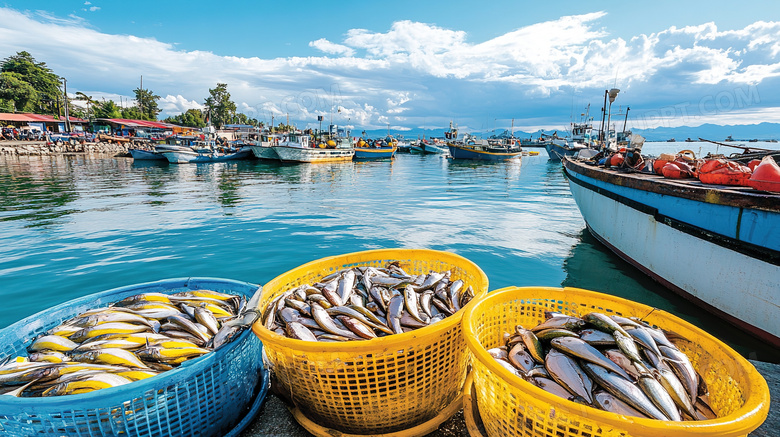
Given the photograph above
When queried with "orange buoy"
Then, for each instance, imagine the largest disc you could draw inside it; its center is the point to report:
(658, 164)
(616, 159)
(766, 176)
(723, 172)
(676, 170)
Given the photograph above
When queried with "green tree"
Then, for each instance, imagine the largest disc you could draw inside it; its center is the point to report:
(39, 76)
(107, 109)
(133, 113)
(219, 106)
(147, 104)
(16, 94)
(191, 118)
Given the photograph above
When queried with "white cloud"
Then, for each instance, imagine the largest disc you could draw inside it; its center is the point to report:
(326, 46)
(94, 8)
(419, 74)
(177, 104)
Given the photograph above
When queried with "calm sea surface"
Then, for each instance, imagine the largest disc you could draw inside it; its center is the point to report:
(71, 226)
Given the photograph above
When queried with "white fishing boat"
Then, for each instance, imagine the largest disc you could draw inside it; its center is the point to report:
(715, 245)
(263, 148)
(297, 147)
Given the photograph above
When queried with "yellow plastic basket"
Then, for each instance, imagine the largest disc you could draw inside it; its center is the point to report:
(376, 386)
(510, 406)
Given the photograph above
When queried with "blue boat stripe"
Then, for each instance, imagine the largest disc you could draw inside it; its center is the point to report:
(765, 254)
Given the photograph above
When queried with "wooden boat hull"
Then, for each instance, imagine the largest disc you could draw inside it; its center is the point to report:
(300, 154)
(458, 152)
(717, 247)
(264, 152)
(375, 152)
(145, 155)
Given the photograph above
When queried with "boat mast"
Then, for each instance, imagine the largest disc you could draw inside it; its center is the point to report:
(603, 114)
(625, 122)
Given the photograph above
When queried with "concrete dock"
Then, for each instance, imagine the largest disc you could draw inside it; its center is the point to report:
(275, 420)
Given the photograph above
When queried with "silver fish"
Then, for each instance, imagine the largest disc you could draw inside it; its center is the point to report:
(604, 323)
(565, 371)
(660, 397)
(623, 390)
(627, 346)
(643, 338)
(608, 402)
(674, 387)
(683, 368)
(582, 350)
(300, 332)
(345, 285)
(207, 319)
(328, 324)
(412, 303)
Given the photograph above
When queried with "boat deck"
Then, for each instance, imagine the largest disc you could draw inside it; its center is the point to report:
(274, 419)
(687, 188)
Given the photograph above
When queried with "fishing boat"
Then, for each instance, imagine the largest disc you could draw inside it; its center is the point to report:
(484, 150)
(297, 147)
(715, 245)
(580, 139)
(434, 146)
(263, 147)
(379, 149)
(146, 155)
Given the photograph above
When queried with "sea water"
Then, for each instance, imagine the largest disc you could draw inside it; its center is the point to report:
(75, 225)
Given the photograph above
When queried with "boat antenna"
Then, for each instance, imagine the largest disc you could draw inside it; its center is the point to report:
(628, 108)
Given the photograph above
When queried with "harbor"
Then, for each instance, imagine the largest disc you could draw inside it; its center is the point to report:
(408, 219)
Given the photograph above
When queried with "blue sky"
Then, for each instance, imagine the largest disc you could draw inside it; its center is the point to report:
(413, 64)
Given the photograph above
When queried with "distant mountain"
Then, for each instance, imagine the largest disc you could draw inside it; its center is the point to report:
(745, 132)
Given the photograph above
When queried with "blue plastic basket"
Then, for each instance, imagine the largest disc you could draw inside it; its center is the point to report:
(206, 396)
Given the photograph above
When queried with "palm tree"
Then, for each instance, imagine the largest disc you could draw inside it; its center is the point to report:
(88, 100)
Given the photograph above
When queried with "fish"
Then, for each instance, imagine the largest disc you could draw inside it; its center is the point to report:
(623, 362)
(328, 325)
(549, 334)
(608, 402)
(108, 328)
(674, 387)
(207, 319)
(565, 371)
(345, 285)
(623, 390)
(298, 331)
(518, 357)
(550, 386)
(584, 351)
(626, 345)
(566, 322)
(595, 337)
(499, 353)
(113, 356)
(53, 343)
(144, 297)
(394, 310)
(604, 323)
(88, 384)
(357, 327)
(684, 370)
(49, 357)
(659, 396)
(532, 345)
(643, 338)
(189, 327)
(161, 354)
(412, 303)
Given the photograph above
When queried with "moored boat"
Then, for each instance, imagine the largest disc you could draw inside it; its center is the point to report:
(484, 150)
(146, 155)
(379, 149)
(204, 152)
(716, 245)
(434, 147)
(296, 147)
(263, 148)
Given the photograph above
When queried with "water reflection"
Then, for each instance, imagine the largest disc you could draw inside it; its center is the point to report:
(36, 189)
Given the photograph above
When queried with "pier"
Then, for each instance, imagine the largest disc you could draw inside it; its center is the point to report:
(275, 420)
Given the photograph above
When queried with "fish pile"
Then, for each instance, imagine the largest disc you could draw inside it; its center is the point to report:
(133, 339)
(617, 364)
(362, 303)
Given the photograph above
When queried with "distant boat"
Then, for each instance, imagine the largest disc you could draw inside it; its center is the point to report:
(671, 140)
(484, 150)
(579, 139)
(718, 246)
(295, 147)
(416, 147)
